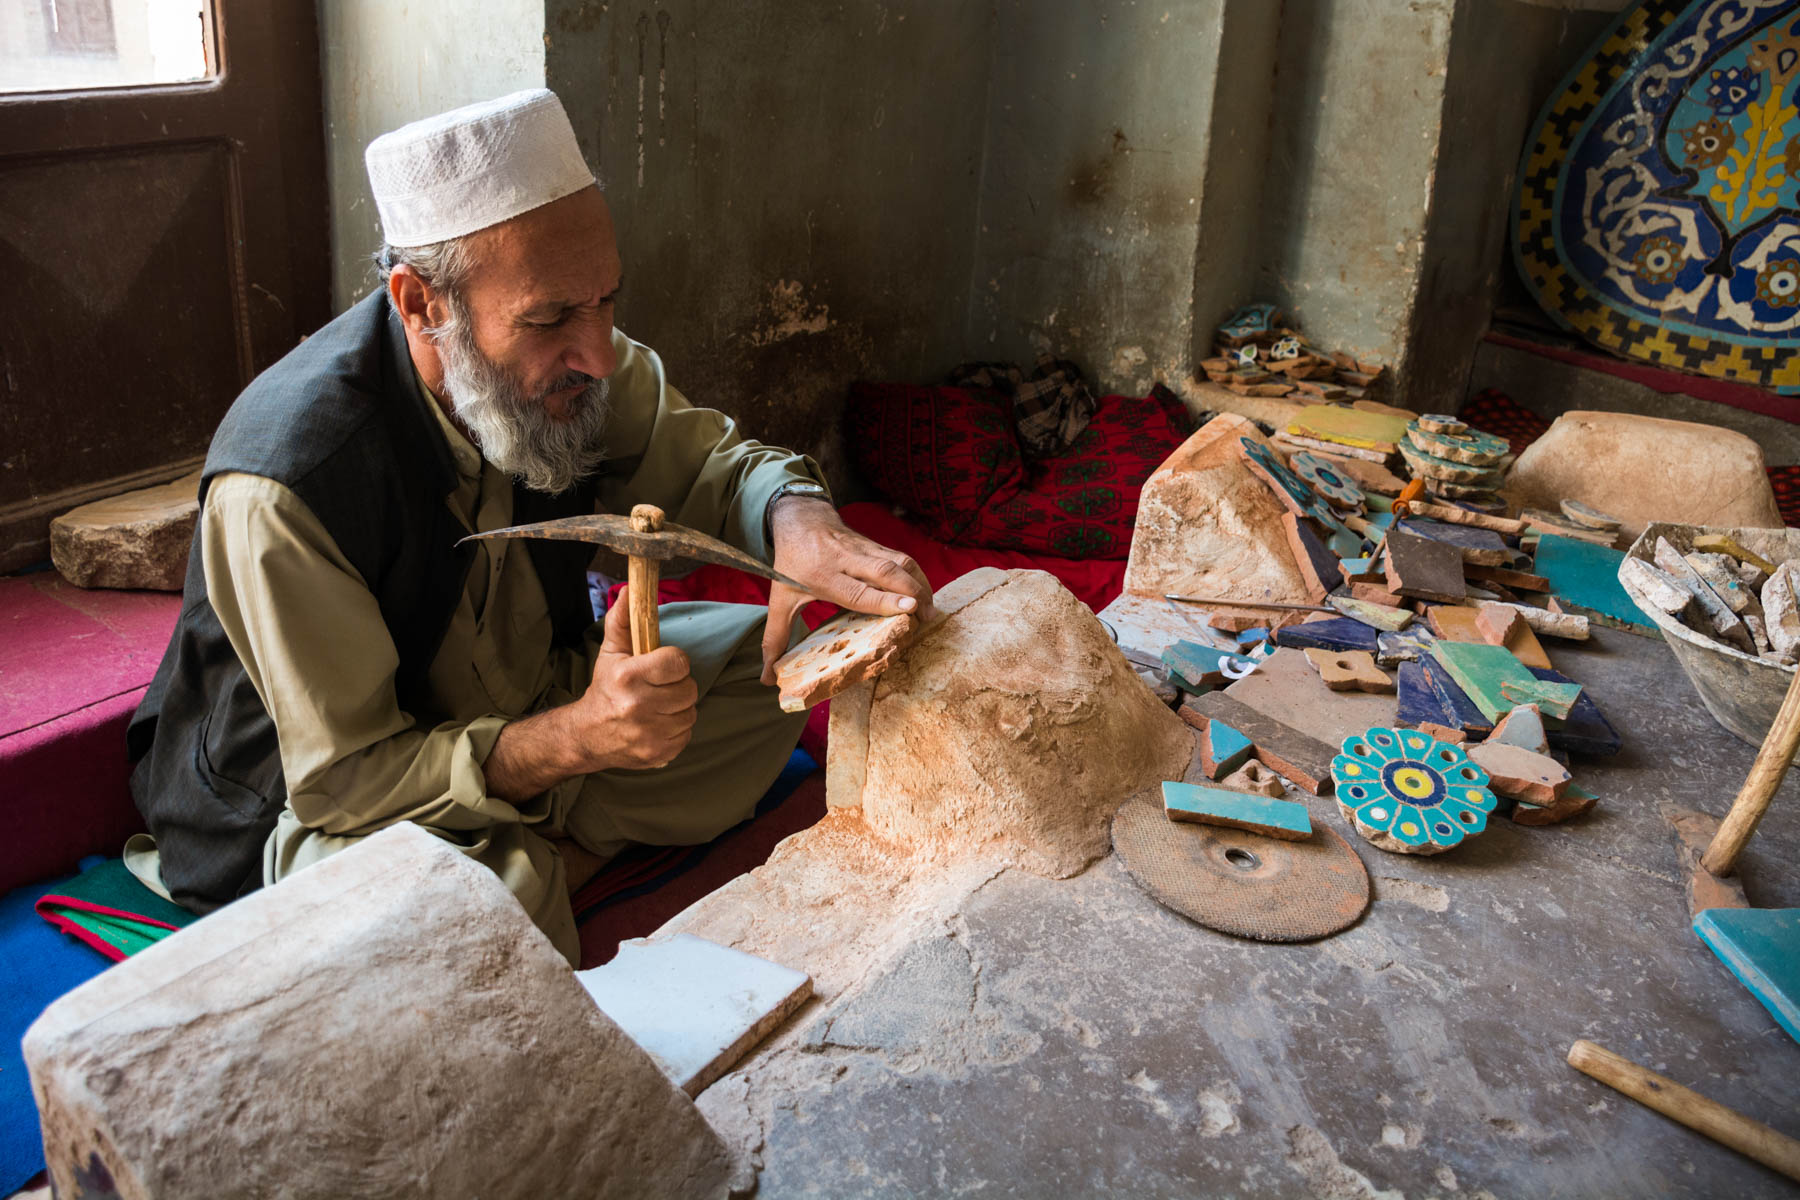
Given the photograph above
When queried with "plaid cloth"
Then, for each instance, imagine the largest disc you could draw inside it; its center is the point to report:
(1051, 406)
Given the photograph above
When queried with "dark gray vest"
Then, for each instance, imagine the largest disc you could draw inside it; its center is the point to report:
(341, 423)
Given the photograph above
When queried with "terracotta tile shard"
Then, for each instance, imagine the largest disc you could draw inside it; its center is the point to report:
(1554, 623)
(1354, 671)
(1376, 593)
(1573, 803)
(845, 650)
(1256, 779)
(1297, 757)
(1237, 810)
(1463, 516)
(1522, 581)
(1286, 688)
(1423, 568)
(1443, 733)
(1504, 625)
(1455, 623)
(1520, 773)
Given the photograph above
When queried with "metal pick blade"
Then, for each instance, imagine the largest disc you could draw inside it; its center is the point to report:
(615, 533)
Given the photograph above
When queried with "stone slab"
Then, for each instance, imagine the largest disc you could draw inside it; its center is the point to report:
(387, 1022)
(696, 1007)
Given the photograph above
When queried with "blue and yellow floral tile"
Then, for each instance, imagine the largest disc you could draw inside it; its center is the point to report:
(1658, 211)
(1408, 793)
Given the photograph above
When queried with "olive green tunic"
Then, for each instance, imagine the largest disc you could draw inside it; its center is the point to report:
(311, 637)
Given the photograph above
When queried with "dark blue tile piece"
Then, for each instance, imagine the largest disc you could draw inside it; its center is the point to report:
(1338, 633)
(1584, 730)
(1465, 715)
(1419, 701)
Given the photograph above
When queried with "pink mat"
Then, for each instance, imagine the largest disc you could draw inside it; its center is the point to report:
(73, 665)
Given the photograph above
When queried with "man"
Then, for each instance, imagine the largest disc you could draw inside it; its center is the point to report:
(341, 664)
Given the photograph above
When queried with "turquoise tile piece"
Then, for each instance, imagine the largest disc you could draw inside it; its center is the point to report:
(1228, 747)
(1200, 667)
(1480, 671)
(1586, 576)
(1240, 810)
(1761, 946)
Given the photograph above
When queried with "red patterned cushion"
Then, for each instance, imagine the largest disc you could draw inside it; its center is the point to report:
(1083, 502)
(1495, 412)
(1786, 482)
(942, 453)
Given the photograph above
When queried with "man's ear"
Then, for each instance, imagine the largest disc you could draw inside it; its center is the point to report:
(419, 307)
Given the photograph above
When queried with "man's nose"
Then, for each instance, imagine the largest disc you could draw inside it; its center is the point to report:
(593, 354)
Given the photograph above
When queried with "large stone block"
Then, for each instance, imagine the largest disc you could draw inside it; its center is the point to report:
(386, 1023)
(137, 540)
(1644, 469)
(1206, 526)
(1013, 730)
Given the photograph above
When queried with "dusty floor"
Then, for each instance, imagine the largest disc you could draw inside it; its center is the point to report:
(1041, 1038)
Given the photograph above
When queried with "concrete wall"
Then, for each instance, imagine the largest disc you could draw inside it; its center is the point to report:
(1098, 132)
(794, 186)
(387, 62)
(1352, 161)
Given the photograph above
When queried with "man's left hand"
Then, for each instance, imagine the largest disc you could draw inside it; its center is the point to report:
(813, 546)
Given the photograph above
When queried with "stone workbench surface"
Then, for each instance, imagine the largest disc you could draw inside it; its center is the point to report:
(1018, 1036)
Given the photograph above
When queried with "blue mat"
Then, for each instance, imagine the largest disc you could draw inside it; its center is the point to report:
(37, 964)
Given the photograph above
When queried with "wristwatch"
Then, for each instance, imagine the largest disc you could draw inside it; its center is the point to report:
(817, 491)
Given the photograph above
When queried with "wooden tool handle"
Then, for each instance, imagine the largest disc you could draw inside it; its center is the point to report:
(1765, 776)
(641, 577)
(1721, 1124)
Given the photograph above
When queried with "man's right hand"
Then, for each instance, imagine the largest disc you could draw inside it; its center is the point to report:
(637, 712)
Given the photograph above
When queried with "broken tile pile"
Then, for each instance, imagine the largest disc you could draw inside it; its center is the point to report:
(1257, 353)
(1416, 688)
(1724, 592)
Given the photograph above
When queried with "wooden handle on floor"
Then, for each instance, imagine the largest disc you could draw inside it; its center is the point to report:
(641, 577)
(1766, 774)
(1721, 1124)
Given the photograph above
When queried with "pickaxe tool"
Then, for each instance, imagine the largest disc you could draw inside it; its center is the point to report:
(646, 541)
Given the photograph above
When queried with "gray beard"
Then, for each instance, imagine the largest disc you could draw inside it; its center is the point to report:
(512, 429)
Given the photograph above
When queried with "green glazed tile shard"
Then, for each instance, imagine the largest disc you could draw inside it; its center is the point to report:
(1239, 810)
(1480, 671)
(1553, 699)
(1586, 576)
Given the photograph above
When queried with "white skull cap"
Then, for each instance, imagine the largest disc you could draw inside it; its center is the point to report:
(473, 167)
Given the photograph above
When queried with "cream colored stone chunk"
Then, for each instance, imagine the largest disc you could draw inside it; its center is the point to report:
(1013, 730)
(1206, 526)
(1644, 469)
(137, 540)
(387, 1023)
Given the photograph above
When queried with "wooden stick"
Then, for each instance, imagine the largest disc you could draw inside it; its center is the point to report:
(1462, 516)
(641, 578)
(1765, 776)
(1721, 1124)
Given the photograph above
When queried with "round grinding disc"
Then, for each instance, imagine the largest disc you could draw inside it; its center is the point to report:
(1239, 882)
